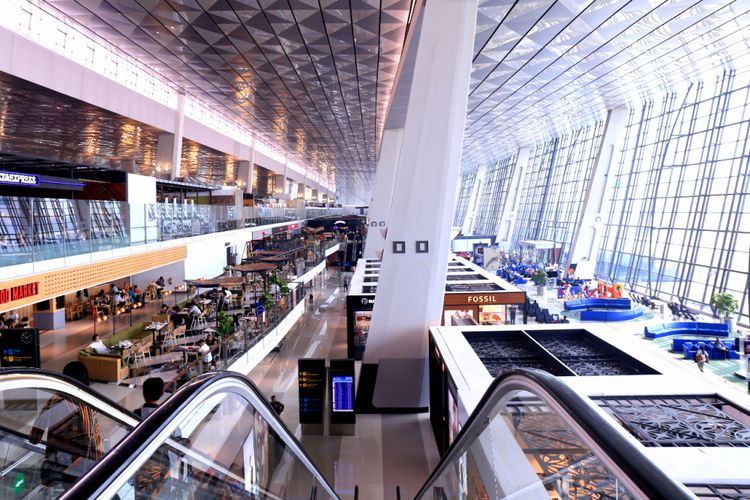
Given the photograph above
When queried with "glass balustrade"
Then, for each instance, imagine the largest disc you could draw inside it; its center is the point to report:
(38, 229)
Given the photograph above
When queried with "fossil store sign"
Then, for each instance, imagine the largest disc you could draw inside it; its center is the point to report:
(19, 292)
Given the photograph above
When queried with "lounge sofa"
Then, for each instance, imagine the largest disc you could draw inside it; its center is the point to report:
(688, 349)
(105, 367)
(599, 303)
(686, 328)
(613, 315)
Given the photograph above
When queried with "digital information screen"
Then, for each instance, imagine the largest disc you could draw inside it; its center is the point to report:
(341, 373)
(343, 393)
(311, 375)
(19, 347)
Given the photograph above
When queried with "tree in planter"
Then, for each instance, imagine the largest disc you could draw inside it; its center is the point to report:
(724, 304)
(225, 324)
(540, 278)
(265, 300)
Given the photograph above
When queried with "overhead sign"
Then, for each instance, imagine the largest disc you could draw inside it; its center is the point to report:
(17, 179)
(19, 292)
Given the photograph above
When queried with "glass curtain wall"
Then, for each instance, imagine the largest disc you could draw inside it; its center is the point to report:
(462, 200)
(494, 193)
(555, 185)
(679, 223)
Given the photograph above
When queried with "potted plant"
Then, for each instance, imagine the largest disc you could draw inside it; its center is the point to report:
(225, 324)
(725, 306)
(265, 300)
(540, 280)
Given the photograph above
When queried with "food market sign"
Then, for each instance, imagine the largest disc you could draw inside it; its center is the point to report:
(19, 292)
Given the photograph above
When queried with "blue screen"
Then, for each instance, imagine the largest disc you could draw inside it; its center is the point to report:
(343, 393)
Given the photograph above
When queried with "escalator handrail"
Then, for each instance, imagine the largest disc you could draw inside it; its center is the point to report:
(128, 451)
(72, 387)
(631, 460)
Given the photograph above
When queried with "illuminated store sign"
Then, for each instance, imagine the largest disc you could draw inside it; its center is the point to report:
(19, 292)
(18, 179)
(482, 299)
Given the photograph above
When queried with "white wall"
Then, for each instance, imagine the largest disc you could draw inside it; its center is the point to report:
(176, 271)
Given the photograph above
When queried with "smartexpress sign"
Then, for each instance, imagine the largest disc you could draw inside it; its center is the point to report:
(16, 179)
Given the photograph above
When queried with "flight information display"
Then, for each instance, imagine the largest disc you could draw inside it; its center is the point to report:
(341, 379)
(343, 393)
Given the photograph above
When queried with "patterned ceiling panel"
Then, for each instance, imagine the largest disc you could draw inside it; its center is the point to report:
(543, 66)
(312, 76)
(41, 123)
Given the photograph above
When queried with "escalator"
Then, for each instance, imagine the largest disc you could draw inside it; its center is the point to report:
(530, 437)
(533, 437)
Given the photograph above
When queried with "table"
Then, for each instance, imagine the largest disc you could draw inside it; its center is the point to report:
(154, 327)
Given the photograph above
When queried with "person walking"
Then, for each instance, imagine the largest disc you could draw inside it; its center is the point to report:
(701, 357)
(277, 405)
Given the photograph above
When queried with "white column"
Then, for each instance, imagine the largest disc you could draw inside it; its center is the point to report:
(584, 248)
(507, 219)
(471, 207)
(245, 170)
(169, 144)
(385, 176)
(412, 285)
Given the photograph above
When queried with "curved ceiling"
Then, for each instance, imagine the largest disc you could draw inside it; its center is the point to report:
(312, 76)
(543, 66)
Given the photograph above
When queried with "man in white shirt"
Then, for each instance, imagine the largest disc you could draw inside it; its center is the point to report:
(13, 315)
(98, 346)
(205, 350)
(195, 310)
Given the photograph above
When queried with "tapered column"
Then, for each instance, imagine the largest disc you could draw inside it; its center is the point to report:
(507, 220)
(412, 281)
(471, 207)
(380, 208)
(169, 145)
(584, 248)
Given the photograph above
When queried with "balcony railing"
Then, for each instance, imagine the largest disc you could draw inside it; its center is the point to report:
(39, 229)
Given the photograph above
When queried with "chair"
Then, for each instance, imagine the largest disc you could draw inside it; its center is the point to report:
(141, 353)
(199, 323)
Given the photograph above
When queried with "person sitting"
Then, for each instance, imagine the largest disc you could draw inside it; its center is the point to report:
(195, 310)
(153, 390)
(164, 309)
(718, 346)
(24, 323)
(113, 288)
(138, 294)
(98, 346)
(13, 315)
(132, 295)
(160, 284)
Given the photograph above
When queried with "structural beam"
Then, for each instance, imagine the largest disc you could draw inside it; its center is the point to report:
(411, 287)
(507, 220)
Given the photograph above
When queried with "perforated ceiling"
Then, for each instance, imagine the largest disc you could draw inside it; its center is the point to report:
(312, 76)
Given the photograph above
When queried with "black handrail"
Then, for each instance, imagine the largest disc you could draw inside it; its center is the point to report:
(112, 465)
(69, 380)
(647, 476)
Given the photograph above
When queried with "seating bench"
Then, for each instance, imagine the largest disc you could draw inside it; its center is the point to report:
(689, 349)
(601, 303)
(686, 328)
(613, 315)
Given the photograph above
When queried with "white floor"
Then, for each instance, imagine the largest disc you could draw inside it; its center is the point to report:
(386, 451)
